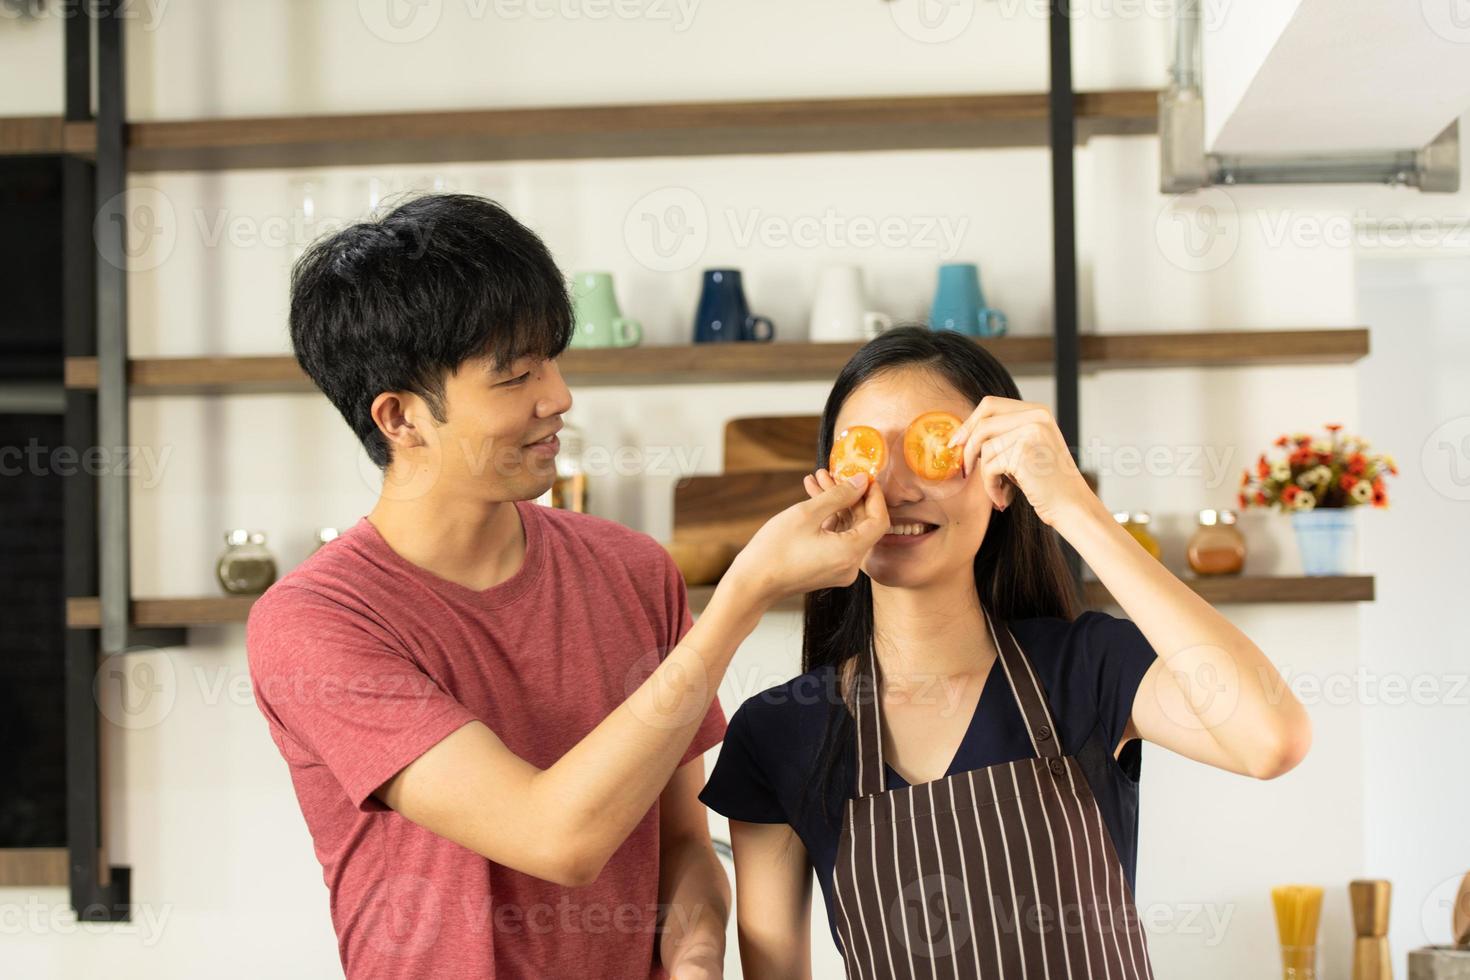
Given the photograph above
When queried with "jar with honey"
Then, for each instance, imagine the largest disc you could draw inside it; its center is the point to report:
(1217, 547)
(1136, 524)
(569, 491)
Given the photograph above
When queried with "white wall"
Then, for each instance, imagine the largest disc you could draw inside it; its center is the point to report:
(1416, 660)
(198, 801)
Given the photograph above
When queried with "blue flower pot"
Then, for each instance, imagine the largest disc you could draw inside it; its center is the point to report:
(1324, 538)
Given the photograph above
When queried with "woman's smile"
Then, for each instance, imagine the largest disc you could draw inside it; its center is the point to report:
(907, 533)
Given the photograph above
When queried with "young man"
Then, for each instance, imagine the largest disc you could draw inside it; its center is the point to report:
(494, 712)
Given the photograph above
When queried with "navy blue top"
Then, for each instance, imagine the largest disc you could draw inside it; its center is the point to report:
(1090, 668)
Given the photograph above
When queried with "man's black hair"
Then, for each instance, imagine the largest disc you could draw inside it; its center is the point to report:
(399, 303)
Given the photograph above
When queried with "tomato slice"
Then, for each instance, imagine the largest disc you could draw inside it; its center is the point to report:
(858, 449)
(925, 446)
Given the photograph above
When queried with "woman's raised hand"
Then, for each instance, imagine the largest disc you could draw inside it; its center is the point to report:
(1018, 444)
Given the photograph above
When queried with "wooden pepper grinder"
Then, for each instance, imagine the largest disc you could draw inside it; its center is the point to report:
(1460, 918)
(1370, 901)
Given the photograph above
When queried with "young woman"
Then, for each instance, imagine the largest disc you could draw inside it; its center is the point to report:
(959, 761)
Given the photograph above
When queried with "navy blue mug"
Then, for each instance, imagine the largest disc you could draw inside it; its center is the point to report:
(723, 315)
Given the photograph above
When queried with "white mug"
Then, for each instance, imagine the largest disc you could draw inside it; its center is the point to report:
(839, 312)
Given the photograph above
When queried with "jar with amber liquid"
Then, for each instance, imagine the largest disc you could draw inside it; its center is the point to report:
(569, 491)
(1136, 524)
(1217, 547)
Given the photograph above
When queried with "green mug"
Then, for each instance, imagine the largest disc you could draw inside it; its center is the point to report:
(599, 322)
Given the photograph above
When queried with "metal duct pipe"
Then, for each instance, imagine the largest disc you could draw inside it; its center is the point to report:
(1393, 167)
(1184, 74)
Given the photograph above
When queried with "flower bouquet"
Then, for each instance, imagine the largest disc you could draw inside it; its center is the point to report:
(1318, 481)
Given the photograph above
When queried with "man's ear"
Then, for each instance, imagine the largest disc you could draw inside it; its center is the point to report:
(395, 413)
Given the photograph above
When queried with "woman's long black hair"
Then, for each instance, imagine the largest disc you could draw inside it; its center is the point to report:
(1019, 569)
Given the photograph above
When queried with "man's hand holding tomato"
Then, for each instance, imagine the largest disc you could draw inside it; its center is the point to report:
(805, 548)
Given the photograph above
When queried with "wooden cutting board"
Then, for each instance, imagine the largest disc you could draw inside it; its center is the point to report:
(730, 507)
(778, 442)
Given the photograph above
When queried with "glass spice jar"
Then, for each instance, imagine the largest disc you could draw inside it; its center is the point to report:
(569, 491)
(1217, 547)
(246, 567)
(1136, 524)
(325, 534)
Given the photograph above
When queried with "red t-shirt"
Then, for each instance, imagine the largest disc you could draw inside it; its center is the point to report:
(361, 660)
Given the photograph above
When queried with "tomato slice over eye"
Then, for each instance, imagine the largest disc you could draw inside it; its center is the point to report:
(925, 445)
(858, 449)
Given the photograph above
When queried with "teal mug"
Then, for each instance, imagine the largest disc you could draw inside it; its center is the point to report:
(959, 304)
(599, 321)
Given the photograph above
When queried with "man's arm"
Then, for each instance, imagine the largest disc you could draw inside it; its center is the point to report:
(564, 823)
(693, 889)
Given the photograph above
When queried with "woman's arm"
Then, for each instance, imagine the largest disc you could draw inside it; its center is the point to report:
(693, 889)
(1213, 696)
(773, 901)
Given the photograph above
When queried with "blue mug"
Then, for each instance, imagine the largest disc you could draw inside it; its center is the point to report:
(959, 304)
(724, 316)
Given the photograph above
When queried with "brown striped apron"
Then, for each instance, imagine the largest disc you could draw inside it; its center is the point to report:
(1002, 872)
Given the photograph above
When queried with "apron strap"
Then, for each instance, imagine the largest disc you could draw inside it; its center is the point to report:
(1021, 677)
(1026, 686)
(871, 777)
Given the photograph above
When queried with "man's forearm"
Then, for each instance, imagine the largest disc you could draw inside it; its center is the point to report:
(606, 783)
(694, 906)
